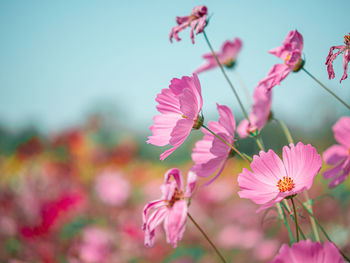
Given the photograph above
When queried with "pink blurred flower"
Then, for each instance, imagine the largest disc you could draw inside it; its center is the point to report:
(112, 188)
(197, 20)
(271, 180)
(265, 249)
(260, 113)
(227, 55)
(346, 58)
(210, 154)
(171, 208)
(96, 245)
(290, 52)
(179, 106)
(339, 154)
(308, 251)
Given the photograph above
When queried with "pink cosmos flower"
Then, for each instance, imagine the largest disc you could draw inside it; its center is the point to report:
(170, 208)
(346, 58)
(210, 154)
(260, 113)
(308, 251)
(227, 56)
(112, 188)
(339, 154)
(197, 20)
(179, 106)
(272, 179)
(290, 52)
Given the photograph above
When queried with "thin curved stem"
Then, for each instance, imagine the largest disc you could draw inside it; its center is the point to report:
(244, 87)
(312, 220)
(225, 75)
(227, 143)
(322, 229)
(296, 219)
(260, 143)
(327, 89)
(291, 215)
(285, 221)
(207, 238)
(285, 131)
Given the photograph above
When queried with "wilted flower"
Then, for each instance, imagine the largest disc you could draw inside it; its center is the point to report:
(227, 56)
(179, 106)
(308, 251)
(259, 114)
(346, 58)
(271, 180)
(112, 188)
(197, 20)
(171, 208)
(339, 154)
(210, 154)
(290, 52)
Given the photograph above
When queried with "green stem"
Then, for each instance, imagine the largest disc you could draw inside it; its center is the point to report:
(285, 130)
(291, 215)
(327, 89)
(207, 238)
(244, 87)
(296, 219)
(322, 229)
(228, 144)
(260, 143)
(286, 223)
(226, 77)
(312, 220)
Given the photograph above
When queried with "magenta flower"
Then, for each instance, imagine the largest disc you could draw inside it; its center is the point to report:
(210, 154)
(197, 20)
(346, 58)
(227, 56)
(179, 106)
(339, 154)
(272, 179)
(170, 208)
(290, 52)
(308, 251)
(259, 114)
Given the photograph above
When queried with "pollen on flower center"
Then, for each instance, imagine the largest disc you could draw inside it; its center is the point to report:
(178, 195)
(286, 184)
(347, 39)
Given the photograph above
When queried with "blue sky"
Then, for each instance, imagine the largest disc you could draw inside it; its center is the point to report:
(60, 60)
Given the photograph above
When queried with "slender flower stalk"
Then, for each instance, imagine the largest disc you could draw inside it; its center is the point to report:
(288, 210)
(329, 91)
(207, 238)
(322, 229)
(225, 75)
(285, 221)
(227, 143)
(285, 131)
(295, 219)
(244, 86)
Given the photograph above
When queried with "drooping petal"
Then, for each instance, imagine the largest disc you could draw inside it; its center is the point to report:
(331, 57)
(176, 174)
(151, 205)
(277, 73)
(174, 223)
(335, 154)
(346, 60)
(153, 221)
(191, 184)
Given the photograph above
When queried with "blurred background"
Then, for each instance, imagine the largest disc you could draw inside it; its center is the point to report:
(78, 82)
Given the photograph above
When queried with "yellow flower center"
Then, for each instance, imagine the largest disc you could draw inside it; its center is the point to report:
(347, 39)
(178, 195)
(286, 184)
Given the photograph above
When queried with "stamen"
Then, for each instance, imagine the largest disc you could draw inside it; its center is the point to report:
(178, 195)
(286, 184)
(347, 39)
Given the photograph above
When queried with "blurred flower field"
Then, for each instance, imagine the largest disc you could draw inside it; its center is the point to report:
(72, 197)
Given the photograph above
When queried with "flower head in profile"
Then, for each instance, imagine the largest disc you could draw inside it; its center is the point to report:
(339, 154)
(290, 52)
(271, 179)
(346, 58)
(197, 20)
(308, 251)
(227, 56)
(259, 114)
(171, 208)
(210, 154)
(179, 106)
